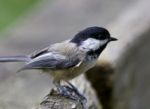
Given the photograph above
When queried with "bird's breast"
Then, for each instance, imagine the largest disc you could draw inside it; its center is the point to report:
(68, 74)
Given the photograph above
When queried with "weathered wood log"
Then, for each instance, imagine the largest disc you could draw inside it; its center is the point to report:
(59, 102)
(130, 56)
(55, 101)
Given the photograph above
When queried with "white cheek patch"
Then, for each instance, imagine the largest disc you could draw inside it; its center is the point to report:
(103, 42)
(92, 44)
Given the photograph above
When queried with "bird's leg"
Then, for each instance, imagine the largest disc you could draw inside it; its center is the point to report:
(70, 91)
(63, 90)
(77, 94)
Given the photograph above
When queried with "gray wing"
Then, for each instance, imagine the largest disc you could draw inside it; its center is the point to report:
(38, 53)
(58, 56)
(52, 61)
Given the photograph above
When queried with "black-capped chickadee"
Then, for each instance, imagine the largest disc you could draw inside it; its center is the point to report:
(68, 59)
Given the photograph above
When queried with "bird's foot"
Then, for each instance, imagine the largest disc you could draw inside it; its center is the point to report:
(72, 92)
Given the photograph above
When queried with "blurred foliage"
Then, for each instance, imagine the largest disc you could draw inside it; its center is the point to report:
(10, 10)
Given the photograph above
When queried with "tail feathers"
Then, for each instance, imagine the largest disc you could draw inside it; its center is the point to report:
(14, 59)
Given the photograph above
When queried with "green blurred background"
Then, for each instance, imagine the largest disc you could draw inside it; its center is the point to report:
(10, 10)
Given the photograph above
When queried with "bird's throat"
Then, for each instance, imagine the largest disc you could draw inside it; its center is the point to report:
(94, 54)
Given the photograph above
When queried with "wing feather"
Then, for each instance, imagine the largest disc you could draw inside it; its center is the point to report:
(52, 63)
(54, 58)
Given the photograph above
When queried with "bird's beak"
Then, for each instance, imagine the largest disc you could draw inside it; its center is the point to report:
(113, 39)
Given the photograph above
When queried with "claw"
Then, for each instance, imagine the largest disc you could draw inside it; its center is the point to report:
(81, 96)
(72, 92)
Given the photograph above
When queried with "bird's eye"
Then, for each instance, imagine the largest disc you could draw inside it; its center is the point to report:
(96, 36)
(102, 37)
(99, 36)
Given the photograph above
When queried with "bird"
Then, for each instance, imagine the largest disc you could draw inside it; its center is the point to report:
(68, 59)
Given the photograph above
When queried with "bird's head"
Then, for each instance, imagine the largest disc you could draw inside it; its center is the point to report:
(93, 39)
